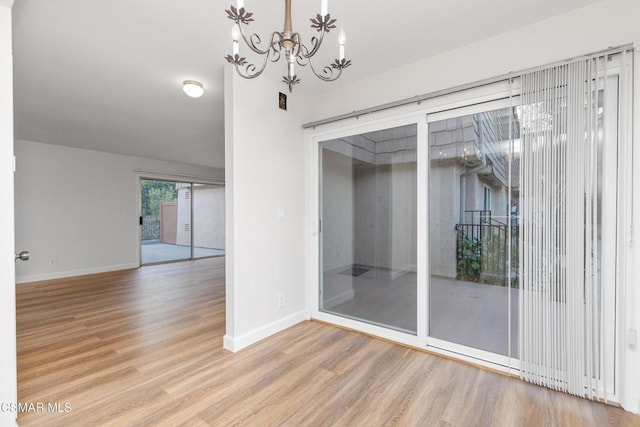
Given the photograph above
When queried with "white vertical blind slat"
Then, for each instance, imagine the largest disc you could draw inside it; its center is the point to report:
(561, 326)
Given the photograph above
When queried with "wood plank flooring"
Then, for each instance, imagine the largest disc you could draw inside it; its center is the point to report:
(144, 347)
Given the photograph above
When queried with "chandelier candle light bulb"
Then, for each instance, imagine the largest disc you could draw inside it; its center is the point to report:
(342, 38)
(235, 35)
(285, 43)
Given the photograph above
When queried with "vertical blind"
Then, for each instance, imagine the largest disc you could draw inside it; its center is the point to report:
(563, 297)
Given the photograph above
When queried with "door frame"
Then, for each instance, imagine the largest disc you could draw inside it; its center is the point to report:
(8, 355)
(400, 116)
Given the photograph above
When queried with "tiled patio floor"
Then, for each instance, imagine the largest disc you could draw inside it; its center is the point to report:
(467, 313)
(162, 252)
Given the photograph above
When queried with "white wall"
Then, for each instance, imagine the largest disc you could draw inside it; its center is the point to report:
(8, 380)
(81, 207)
(589, 29)
(592, 28)
(264, 162)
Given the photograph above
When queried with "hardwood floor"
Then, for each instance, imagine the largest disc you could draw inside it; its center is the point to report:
(144, 347)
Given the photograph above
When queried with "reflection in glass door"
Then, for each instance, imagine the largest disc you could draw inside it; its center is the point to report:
(368, 238)
(473, 231)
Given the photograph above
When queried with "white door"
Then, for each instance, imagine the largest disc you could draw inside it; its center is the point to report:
(8, 377)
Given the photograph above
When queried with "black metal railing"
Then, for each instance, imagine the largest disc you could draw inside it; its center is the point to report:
(482, 252)
(150, 228)
(479, 217)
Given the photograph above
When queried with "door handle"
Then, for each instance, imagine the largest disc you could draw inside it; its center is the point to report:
(23, 256)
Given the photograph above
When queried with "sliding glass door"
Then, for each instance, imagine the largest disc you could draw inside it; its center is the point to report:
(368, 233)
(495, 231)
(180, 221)
(473, 229)
(523, 205)
(164, 218)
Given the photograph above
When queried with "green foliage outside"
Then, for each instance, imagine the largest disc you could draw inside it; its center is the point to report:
(494, 260)
(154, 192)
(486, 261)
(468, 266)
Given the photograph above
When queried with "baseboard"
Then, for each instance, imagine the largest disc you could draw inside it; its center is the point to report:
(235, 344)
(73, 273)
(338, 299)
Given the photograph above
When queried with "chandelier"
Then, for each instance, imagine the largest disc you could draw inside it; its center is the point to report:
(285, 41)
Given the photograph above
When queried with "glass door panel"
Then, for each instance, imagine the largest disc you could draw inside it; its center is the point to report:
(165, 220)
(473, 231)
(368, 234)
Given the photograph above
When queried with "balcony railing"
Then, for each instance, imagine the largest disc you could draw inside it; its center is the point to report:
(482, 252)
(150, 228)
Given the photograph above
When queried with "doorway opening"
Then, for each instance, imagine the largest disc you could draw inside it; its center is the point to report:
(180, 221)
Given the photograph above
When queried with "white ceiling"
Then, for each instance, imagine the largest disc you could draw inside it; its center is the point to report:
(106, 75)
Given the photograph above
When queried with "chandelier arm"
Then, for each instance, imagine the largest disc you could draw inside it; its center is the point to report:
(249, 69)
(275, 53)
(275, 49)
(315, 43)
(302, 54)
(254, 40)
(328, 74)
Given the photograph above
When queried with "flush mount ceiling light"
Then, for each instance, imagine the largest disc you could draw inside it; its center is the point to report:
(192, 88)
(294, 50)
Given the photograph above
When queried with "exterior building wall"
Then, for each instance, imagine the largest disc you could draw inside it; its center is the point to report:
(337, 226)
(369, 200)
(208, 216)
(183, 232)
(337, 210)
(444, 187)
(473, 187)
(501, 205)
(168, 222)
(472, 190)
(385, 208)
